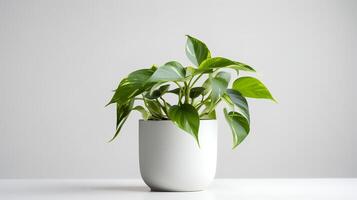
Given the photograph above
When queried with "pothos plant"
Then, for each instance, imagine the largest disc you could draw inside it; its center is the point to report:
(148, 87)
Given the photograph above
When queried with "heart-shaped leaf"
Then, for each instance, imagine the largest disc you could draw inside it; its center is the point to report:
(252, 87)
(186, 117)
(175, 91)
(196, 50)
(239, 126)
(171, 71)
(219, 85)
(123, 111)
(196, 91)
(238, 100)
(132, 86)
(145, 114)
(219, 62)
(156, 93)
(154, 108)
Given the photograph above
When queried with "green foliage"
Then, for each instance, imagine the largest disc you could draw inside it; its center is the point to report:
(171, 71)
(123, 111)
(252, 87)
(219, 85)
(132, 86)
(186, 117)
(156, 93)
(196, 50)
(219, 62)
(239, 126)
(146, 88)
(145, 114)
(196, 92)
(239, 101)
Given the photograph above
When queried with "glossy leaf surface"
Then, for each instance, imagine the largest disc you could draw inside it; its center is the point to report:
(145, 114)
(171, 71)
(219, 62)
(122, 112)
(196, 50)
(239, 126)
(132, 86)
(219, 85)
(156, 93)
(186, 117)
(196, 92)
(252, 87)
(240, 102)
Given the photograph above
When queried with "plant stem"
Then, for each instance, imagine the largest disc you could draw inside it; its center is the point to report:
(145, 101)
(177, 84)
(194, 82)
(199, 105)
(203, 114)
(163, 100)
(186, 93)
(147, 106)
(180, 92)
(189, 86)
(163, 107)
(211, 108)
(214, 106)
(189, 82)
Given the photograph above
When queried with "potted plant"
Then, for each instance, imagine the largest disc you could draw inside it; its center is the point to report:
(178, 139)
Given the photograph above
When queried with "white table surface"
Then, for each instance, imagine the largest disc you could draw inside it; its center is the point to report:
(237, 189)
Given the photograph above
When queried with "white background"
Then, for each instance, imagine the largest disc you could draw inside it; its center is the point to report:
(59, 61)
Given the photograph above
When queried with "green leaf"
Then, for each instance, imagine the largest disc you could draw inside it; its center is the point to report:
(238, 100)
(196, 50)
(145, 114)
(154, 67)
(190, 71)
(219, 85)
(175, 91)
(167, 106)
(154, 108)
(171, 71)
(228, 100)
(196, 91)
(207, 85)
(123, 111)
(210, 115)
(132, 86)
(219, 62)
(224, 75)
(252, 87)
(186, 117)
(119, 127)
(239, 126)
(156, 93)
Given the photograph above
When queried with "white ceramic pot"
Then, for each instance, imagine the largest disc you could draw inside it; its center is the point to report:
(170, 159)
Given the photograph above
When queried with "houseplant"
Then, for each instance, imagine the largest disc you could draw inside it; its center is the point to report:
(170, 159)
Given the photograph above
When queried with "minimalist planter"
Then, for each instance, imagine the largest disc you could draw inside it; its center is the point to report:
(178, 149)
(171, 160)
